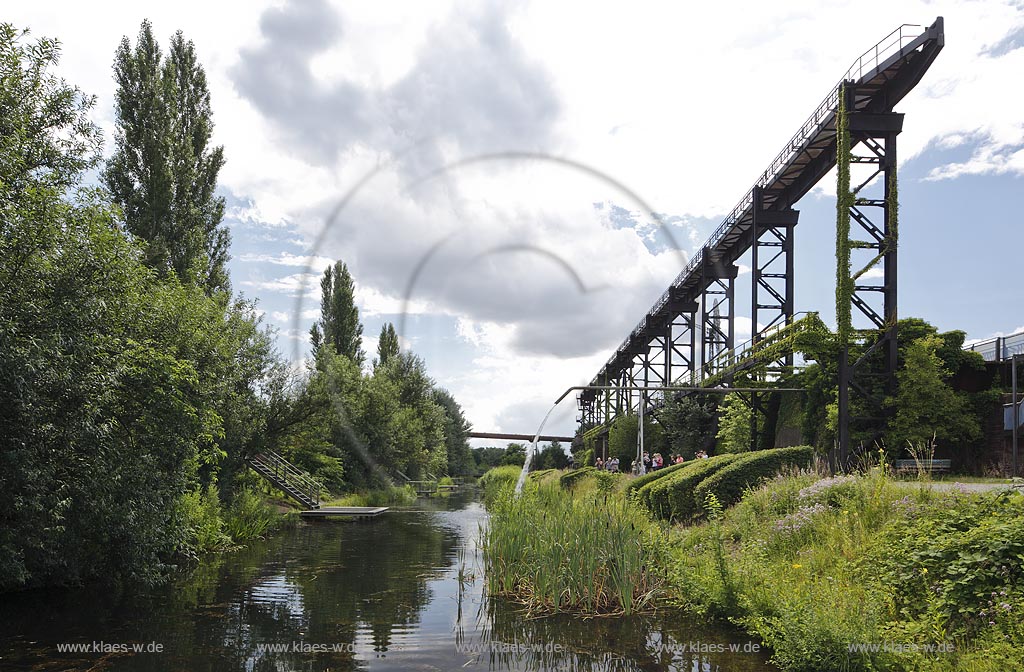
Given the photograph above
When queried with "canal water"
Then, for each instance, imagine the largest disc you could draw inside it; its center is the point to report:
(403, 591)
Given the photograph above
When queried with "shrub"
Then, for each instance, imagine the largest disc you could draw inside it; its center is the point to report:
(200, 514)
(571, 478)
(672, 497)
(249, 516)
(641, 481)
(392, 495)
(729, 483)
(495, 479)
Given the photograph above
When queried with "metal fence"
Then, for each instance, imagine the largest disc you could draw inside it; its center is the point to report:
(999, 348)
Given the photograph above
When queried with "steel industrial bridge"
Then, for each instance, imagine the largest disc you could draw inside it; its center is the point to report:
(688, 335)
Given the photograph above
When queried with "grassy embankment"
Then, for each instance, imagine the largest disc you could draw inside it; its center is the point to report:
(394, 496)
(811, 565)
(255, 511)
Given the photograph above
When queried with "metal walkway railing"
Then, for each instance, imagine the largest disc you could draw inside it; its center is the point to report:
(999, 348)
(286, 477)
(885, 54)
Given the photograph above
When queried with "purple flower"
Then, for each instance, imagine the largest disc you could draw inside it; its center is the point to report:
(796, 520)
(818, 487)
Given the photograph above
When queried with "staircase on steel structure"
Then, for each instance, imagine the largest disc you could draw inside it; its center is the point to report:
(287, 478)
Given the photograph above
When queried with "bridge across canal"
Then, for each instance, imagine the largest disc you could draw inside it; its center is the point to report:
(519, 437)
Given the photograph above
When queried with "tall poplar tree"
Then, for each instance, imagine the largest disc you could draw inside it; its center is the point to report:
(339, 328)
(387, 344)
(163, 172)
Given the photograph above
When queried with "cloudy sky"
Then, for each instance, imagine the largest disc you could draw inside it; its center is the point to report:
(483, 168)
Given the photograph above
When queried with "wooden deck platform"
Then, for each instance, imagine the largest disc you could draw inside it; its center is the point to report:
(350, 511)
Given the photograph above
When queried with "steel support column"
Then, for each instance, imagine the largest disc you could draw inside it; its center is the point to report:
(718, 313)
(873, 210)
(771, 293)
(681, 336)
(655, 364)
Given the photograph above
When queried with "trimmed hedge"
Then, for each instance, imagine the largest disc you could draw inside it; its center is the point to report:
(729, 483)
(569, 478)
(672, 497)
(641, 481)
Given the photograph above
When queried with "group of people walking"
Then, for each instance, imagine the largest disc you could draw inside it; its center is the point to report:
(650, 462)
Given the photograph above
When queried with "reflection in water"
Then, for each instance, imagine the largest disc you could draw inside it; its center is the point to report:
(399, 592)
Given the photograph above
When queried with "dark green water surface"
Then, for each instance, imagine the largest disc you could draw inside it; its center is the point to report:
(399, 592)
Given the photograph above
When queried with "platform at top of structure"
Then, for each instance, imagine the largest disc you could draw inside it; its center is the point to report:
(355, 511)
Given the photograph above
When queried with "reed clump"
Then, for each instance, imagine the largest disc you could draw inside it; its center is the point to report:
(594, 555)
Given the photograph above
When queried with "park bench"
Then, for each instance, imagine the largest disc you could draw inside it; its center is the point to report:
(930, 466)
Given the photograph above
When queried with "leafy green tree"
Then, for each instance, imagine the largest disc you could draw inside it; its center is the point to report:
(322, 421)
(515, 453)
(387, 344)
(122, 392)
(46, 136)
(456, 433)
(163, 172)
(487, 457)
(338, 328)
(688, 424)
(927, 407)
(734, 424)
(552, 456)
(622, 439)
(400, 422)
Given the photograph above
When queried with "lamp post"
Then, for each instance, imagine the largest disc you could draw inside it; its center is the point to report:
(640, 437)
(1016, 409)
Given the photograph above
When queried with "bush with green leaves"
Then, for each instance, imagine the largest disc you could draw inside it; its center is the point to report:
(672, 497)
(571, 478)
(729, 483)
(497, 478)
(641, 481)
(199, 513)
(249, 516)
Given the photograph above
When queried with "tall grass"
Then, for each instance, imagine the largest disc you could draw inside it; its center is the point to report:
(495, 480)
(554, 552)
(249, 517)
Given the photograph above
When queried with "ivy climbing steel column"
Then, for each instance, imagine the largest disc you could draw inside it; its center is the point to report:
(867, 207)
(869, 90)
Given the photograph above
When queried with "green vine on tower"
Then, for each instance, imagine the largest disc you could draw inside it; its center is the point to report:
(892, 204)
(844, 201)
